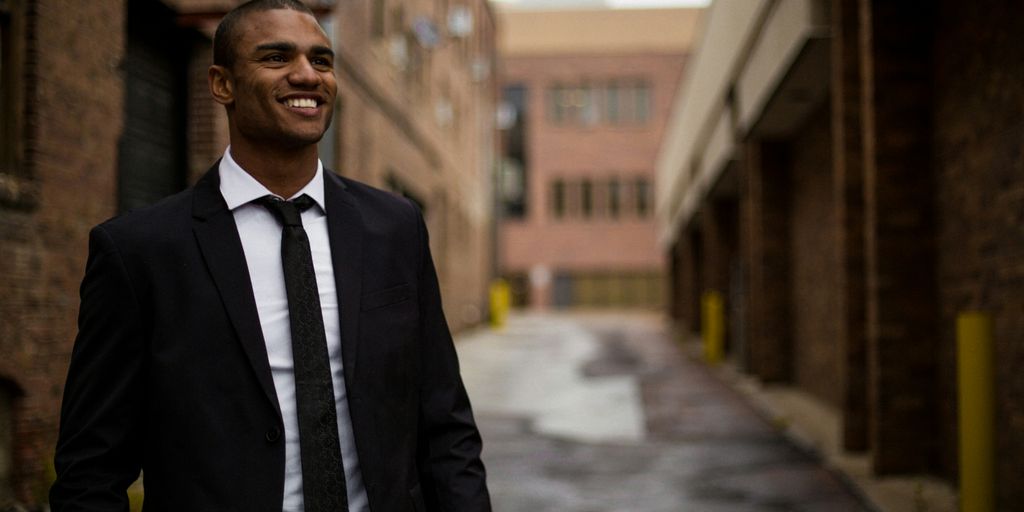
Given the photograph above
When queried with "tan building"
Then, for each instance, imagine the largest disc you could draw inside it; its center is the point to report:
(847, 176)
(106, 108)
(586, 97)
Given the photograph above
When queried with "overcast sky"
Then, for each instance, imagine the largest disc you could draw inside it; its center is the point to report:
(615, 4)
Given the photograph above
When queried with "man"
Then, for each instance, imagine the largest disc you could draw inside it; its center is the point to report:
(217, 325)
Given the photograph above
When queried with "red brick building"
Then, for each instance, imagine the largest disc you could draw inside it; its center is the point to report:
(106, 108)
(847, 174)
(587, 95)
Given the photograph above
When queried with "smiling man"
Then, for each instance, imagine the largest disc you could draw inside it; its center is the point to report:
(271, 339)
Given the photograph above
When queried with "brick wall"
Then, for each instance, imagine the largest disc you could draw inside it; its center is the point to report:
(979, 126)
(908, 213)
(764, 247)
(848, 194)
(814, 262)
(599, 153)
(686, 281)
(389, 135)
(899, 234)
(72, 132)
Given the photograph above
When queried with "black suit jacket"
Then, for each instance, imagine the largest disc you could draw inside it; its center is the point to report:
(170, 374)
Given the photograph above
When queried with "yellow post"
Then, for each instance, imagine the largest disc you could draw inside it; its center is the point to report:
(501, 301)
(713, 326)
(976, 402)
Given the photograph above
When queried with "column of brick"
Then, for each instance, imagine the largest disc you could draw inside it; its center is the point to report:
(848, 179)
(899, 236)
(765, 256)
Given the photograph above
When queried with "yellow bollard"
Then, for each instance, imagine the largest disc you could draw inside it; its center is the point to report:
(501, 299)
(976, 402)
(713, 327)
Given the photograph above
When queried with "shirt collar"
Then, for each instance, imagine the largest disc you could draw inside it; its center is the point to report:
(239, 187)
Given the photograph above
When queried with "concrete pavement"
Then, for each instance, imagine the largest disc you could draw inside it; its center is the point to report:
(602, 413)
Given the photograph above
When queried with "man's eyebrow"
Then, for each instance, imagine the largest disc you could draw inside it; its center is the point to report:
(322, 50)
(278, 46)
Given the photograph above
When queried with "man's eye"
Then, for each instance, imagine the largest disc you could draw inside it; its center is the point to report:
(320, 61)
(276, 57)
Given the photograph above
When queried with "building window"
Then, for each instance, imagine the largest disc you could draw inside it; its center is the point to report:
(512, 121)
(586, 198)
(642, 189)
(16, 186)
(578, 105)
(557, 103)
(615, 102)
(589, 105)
(611, 103)
(152, 152)
(8, 394)
(633, 102)
(558, 199)
(614, 198)
(642, 108)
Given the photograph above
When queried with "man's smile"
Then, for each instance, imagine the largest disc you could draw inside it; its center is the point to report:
(301, 102)
(304, 104)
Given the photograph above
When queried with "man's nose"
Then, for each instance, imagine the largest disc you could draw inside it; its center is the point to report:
(303, 73)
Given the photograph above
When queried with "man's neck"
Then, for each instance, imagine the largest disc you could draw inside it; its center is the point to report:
(283, 172)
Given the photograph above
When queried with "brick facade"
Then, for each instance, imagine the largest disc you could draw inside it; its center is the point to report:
(870, 226)
(813, 261)
(572, 245)
(765, 250)
(424, 127)
(848, 194)
(899, 234)
(978, 118)
(69, 138)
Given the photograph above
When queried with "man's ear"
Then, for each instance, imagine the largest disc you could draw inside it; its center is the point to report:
(222, 88)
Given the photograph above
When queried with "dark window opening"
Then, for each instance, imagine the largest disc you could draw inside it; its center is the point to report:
(514, 179)
(643, 197)
(587, 198)
(9, 393)
(152, 160)
(558, 199)
(614, 198)
(17, 189)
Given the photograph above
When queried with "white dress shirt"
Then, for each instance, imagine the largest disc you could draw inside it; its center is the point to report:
(260, 233)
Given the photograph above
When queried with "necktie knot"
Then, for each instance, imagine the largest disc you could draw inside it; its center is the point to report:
(287, 212)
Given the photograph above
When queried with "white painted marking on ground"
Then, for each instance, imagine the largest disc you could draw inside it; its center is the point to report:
(534, 368)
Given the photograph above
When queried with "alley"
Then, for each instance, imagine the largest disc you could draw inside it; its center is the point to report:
(602, 413)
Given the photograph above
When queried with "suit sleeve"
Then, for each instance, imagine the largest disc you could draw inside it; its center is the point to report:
(452, 475)
(98, 450)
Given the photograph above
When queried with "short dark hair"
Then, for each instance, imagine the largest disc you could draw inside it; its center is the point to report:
(224, 40)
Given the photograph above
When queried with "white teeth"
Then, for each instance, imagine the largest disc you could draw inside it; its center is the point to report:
(300, 102)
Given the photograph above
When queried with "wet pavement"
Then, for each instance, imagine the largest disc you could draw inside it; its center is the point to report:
(603, 413)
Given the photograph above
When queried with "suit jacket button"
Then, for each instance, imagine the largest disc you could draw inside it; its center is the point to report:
(273, 434)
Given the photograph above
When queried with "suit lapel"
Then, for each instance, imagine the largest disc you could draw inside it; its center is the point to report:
(345, 230)
(218, 240)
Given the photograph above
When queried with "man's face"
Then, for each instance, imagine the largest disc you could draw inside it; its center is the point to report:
(282, 82)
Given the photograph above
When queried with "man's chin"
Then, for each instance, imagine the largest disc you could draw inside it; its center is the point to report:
(298, 140)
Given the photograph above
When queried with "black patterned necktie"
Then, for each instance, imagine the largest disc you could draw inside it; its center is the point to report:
(323, 472)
